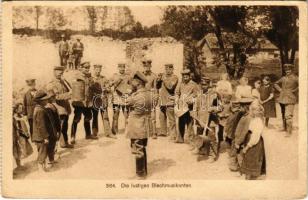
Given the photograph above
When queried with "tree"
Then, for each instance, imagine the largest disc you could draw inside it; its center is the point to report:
(235, 28)
(188, 24)
(138, 30)
(38, 13)
(56, 18)
(92, 18)
(283, 31)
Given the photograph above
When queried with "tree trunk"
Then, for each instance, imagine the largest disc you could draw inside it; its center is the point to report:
(292, 58)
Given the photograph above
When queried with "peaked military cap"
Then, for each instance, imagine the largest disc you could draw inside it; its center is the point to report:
(169, 65)
(85, 65)
(288, 66)
(97, 66)
(121, 64)
(185, 71)
(58, 68)
(30, 81)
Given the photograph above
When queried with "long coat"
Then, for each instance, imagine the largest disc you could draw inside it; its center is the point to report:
(29, 104)
(42, 127)
(138, 120)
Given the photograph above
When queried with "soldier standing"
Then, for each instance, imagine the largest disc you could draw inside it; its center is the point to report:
(100, 102)
(151, 85)
(78, 52)
(287, 98)
(84, 107)
(121, 89)
(61, 89)
(141, 105)
(63, 51)
(167, 83)
(29, 103)
(185, 92)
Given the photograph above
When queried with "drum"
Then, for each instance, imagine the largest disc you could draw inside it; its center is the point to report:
(78, 90)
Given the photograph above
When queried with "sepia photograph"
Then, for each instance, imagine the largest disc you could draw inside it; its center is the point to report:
(154, 96)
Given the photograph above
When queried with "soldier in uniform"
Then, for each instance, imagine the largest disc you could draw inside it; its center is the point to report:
(151, 85)
(84, 107)
(185, 92)
(121, 90)
(63, 51)
(141, 105)
(287, 98)
(78, 52)
(29, 103)
(100, 102)
(61, 89)
(166, 83)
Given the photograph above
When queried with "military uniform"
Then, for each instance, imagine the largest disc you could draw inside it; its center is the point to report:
(287, 99)
(121, 87)
(166, 86)
(29, 104)
(63, 52)
(185, 92)
(100, 104)
(84, 107)
(78, 52)
(151, 85)
(138, 124)
(61, 89)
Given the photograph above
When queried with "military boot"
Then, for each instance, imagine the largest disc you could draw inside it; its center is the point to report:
(289, 129)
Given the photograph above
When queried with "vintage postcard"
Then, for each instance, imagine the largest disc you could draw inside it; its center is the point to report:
(148, 99)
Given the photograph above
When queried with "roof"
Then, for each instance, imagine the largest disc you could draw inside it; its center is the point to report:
(263, 43)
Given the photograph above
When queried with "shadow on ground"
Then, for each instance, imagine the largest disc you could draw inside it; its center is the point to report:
(159, 165)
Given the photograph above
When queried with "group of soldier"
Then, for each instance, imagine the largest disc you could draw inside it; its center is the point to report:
(204, 116)
(70, 52)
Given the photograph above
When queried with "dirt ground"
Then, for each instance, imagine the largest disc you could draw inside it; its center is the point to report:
(110, 159)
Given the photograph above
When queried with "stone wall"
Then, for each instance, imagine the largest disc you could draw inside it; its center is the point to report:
(160, 50)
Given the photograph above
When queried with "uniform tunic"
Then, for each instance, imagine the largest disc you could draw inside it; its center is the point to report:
(29, 104)
(269, 106)
(288, 86)
(100, 91)
(141, 103)
(62, 96)
(167, 89)
(89, 94)
(116, 80)
(186, 92)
